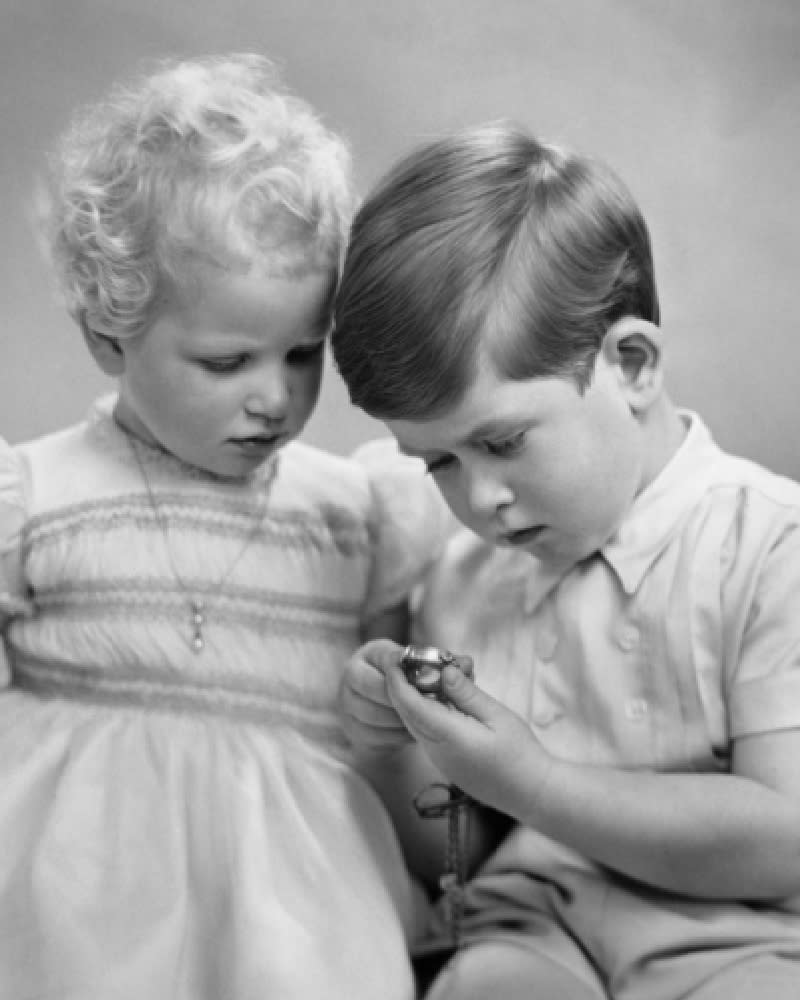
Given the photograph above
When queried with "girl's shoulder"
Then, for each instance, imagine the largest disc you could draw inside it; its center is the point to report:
(51, 461)
(403, 492)
(313, 478)
(68, 466)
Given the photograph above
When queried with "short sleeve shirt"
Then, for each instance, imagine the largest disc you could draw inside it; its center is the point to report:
(680, 635)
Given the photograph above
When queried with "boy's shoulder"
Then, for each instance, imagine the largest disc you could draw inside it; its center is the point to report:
(704, 477)
(732, 473)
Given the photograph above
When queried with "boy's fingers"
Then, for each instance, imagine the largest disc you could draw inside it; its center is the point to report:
(461, 691)
(370, 711)
(365, 672)
(364, 681)
(466, 665)
(431, 718)
(381, 654)
(422, 715)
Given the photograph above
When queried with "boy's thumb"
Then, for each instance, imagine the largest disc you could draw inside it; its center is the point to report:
(460, 690)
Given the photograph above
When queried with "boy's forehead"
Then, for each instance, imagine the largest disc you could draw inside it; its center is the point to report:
(416, 437)
(491, 407)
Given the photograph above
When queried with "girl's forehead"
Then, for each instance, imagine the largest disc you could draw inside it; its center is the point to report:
(257, 308)
(235, 287)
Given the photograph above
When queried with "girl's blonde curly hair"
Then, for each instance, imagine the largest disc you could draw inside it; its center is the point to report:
(205, 162)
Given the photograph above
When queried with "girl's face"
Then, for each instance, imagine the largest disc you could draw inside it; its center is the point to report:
(534, 464)
(230, 370)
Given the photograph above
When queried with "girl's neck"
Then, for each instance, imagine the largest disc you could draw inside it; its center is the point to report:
(128, 421)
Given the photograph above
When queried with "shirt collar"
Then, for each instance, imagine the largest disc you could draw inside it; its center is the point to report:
(660, 510)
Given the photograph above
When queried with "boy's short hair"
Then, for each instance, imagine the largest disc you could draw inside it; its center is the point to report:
(205, 162)
(488, 246)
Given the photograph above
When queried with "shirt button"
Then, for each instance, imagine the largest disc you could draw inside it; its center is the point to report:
(636, 709)
(628, 637)
(546, 643)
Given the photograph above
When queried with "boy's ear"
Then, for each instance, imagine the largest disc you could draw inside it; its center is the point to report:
(633, 347)
(104, 348)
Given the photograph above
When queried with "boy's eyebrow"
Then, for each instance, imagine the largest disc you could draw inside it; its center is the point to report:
(492, 426)
(497, 426)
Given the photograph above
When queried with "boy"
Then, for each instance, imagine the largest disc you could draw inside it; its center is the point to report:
(629, 593)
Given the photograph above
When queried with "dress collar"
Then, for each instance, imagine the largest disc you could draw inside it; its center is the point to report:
(660, 510)
(103, 425)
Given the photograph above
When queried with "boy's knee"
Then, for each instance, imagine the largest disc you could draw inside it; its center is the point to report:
(508, 972)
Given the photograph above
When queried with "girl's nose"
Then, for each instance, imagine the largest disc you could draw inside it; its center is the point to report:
(269, 397)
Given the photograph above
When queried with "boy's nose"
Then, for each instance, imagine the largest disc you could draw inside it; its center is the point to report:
(487, 495)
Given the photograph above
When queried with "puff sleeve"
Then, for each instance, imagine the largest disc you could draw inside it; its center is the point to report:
(410, 522)
(13, 599)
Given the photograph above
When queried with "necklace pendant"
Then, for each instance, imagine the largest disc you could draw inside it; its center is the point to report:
(197, 625)
(214, 590)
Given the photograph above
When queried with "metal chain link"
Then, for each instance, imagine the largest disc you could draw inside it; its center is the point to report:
(456, 807)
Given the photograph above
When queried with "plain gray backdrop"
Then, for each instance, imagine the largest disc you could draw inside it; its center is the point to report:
(695, 102)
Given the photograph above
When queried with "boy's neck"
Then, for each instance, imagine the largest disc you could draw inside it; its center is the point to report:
(665, 431)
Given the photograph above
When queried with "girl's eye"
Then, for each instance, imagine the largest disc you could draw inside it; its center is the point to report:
(223, 366)
(305, 353)
(508, 446)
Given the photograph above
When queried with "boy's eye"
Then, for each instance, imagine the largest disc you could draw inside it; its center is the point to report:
(224, 365)
(304, 353)
(508, 446)
(436, 465)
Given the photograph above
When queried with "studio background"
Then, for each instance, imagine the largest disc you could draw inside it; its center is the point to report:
(695, 102)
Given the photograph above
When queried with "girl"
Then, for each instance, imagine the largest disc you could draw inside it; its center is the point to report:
(181, 582)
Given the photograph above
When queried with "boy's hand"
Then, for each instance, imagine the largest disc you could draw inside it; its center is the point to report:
(369, 718)
(478, 743)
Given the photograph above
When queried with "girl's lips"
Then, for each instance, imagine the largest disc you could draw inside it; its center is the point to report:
(257, 444)
(525, 536)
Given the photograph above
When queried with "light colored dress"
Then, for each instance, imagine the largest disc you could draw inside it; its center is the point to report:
(183, 825)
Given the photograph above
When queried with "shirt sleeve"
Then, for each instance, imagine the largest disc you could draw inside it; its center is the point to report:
(410, 522)
(764, 693)
(13, 596)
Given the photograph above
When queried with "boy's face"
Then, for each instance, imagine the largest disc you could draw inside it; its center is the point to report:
(534, 464)
(229, 371)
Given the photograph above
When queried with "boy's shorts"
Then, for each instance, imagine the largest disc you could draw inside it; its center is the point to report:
(632, 942)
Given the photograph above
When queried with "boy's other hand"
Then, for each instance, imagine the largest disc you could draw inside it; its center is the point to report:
(370, 720)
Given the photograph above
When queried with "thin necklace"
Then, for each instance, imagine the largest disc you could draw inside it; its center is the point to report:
(198, 604)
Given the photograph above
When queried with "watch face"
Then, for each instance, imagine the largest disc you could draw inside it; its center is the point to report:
(423, 666)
